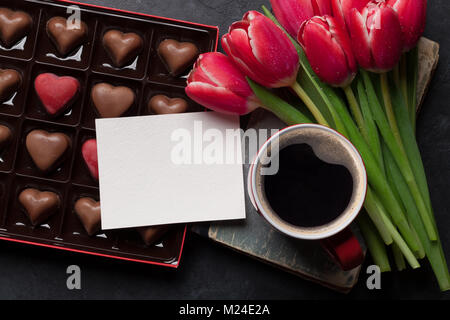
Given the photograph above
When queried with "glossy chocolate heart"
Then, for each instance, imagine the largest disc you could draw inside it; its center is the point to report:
(110, 101)
(161, 104)
(56, 93)
(66, 38)
(10, 81)
(88, 210)
(152, 234)
(177, 56)
(38, 205)
(14, 25)
(5, 136)
(89, 153)
(46, 149)
(122, 47)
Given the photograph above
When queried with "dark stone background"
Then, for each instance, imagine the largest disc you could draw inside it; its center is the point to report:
(209, 271)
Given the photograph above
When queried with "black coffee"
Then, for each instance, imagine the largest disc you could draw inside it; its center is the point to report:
(306, 191)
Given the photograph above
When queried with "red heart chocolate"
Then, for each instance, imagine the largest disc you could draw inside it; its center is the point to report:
(65, 37)
(122, 47)
(5, 136)
(88, 210)
(38, 205)
(14, 25)
(10, 80)
(177, 56)
(46, 148)
(161, 104)
(89, 152)
(56, 93)
(110, 101)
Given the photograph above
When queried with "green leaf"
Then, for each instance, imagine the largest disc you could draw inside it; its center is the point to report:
(287, 113)
(374, 243)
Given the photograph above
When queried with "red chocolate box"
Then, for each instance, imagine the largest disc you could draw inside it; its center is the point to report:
(36, 39)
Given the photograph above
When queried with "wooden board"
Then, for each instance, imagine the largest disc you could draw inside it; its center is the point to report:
(254, 237)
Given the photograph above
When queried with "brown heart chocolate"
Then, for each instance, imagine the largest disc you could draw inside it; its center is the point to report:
(161, 104)
(46, 148)
(111, 101)
(14, 25)
(38, 205)
(122, 47)
(10, 81)
(152, 234)
(177, 56)
(88, 210)
(5, 136)
(66, 38)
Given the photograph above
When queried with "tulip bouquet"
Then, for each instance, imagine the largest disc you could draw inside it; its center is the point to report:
(353, 64)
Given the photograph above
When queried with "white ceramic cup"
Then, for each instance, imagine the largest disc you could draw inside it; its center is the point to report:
(331, 147)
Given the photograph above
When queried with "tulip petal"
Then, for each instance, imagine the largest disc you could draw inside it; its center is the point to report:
(219, 70)
(236, 44)
(292, 13)
(325, 54)
(342, 37)
(219, 99)
(412, 15)
(385, 38)
(273, 50)
(360, 39)
(342, 9)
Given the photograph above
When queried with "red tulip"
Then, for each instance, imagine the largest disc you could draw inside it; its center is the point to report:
(292, 13)
(343, 8)
(262, 51)
(412, 15)
(376, 36)
(216, 83)
(328, 49)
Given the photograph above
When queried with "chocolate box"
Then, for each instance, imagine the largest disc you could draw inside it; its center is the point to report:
(90, 63)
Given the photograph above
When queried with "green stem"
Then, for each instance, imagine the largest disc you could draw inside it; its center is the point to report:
(433, 249)
(375, 176)
(398, 257)
(419, 187)
(278, 106)
(374, 136)
(389, 110)
(399, 240)
(356, 111)
(403, 84)
(374, 243)
(309, 104)
(398, 184)
(396, 73)
(413, 74)
(399, 155)
(373, 211)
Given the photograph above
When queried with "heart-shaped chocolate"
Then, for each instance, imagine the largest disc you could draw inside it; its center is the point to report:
(65, 37)
(161, 104)
(122, 47)
(10, 81)
(56, 93)
(38, 205)
(88, 210)
(5, 136)
(14, 25)
(46, 148)
(89, 153)
(152, 234)
(111, 101)
(177, 56)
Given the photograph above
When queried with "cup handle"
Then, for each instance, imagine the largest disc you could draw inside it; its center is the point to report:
(345, 249)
